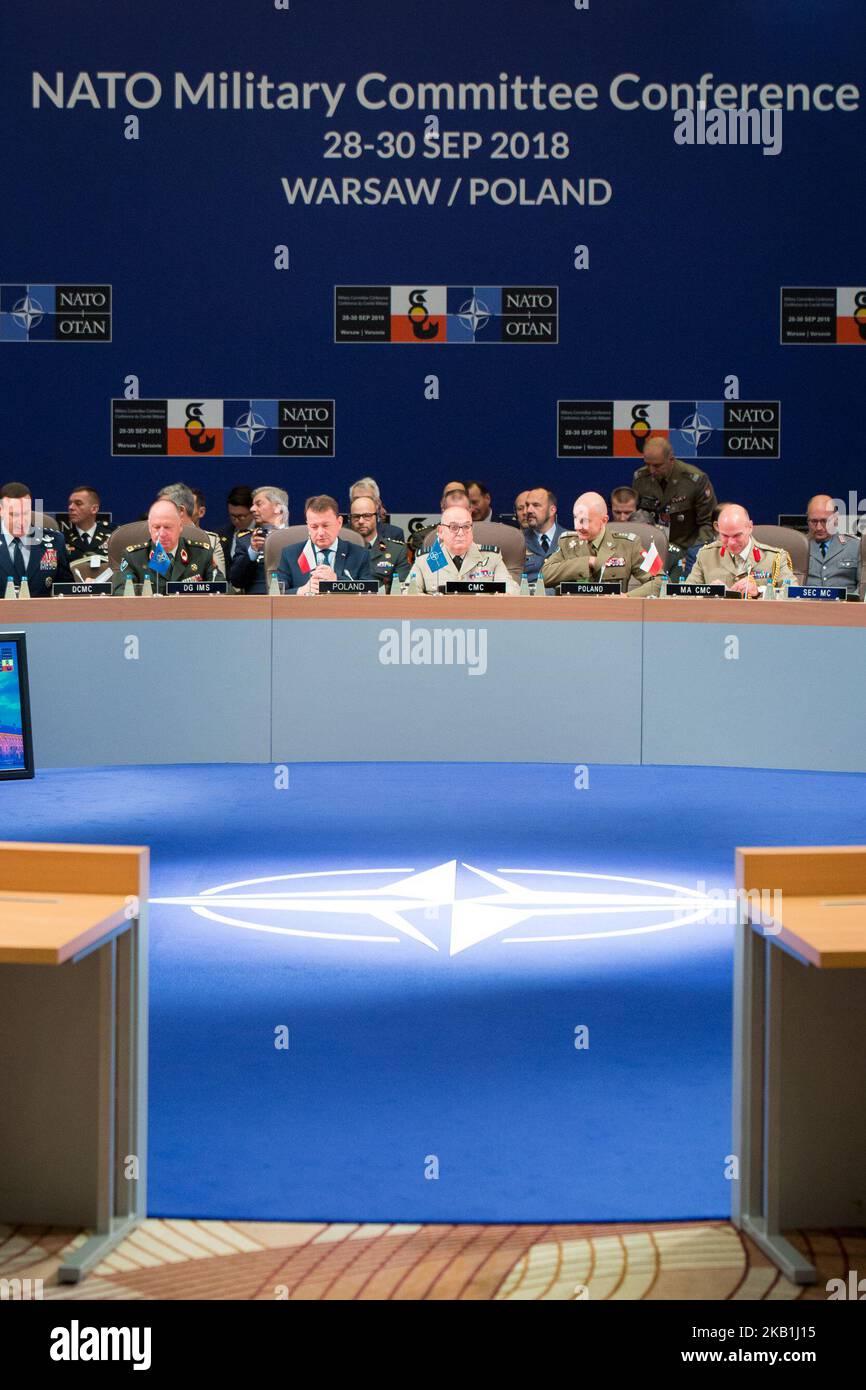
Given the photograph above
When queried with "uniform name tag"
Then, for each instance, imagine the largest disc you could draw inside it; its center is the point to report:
(816, 591)
(475, 586)
(601, 587)
(700, 591)
(348, 586)
(196, 586)
(85, 589)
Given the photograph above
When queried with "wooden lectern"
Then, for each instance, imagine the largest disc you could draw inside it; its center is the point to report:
(73, 1041)
(799, 1051)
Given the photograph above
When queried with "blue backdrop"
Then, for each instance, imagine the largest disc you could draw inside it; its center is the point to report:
(686, 260)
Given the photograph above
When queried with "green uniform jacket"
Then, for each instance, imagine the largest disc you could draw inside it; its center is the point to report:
(192, 560)
(683, 503)
(769, 564)
(621, 552)
(388, 558)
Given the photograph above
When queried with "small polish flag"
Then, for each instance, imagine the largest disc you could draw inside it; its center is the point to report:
(307, 559)
(652, 561)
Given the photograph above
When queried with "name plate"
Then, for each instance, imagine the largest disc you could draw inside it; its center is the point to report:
(817, 591)
(700, 591)
(476, 586)
(349, 586)
(82, 589)
(196, 586)
(614, 586)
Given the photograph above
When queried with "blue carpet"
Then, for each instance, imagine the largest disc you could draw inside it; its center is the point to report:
(431, 1072)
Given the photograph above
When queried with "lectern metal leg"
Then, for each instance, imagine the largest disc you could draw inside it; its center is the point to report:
(122, 1177)
(757, 1068)
(790, 1261)
(94, 1250)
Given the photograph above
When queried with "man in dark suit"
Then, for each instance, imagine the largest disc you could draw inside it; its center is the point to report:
(37, 555)
(541, 530)
(270, 511)
(240, 518)
(303, 566)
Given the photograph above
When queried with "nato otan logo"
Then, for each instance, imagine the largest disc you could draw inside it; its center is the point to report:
(451, 907)
(437, 314)
(55, 313)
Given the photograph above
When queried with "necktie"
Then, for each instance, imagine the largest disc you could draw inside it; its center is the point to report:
(823, 545)
(458, 562)
(323, 557)
(545, 544)
(19, 569)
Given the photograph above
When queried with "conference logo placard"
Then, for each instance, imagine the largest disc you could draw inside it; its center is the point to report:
(450, 907)
(696, 429)
(446, 314)
(824, 315)
(55, 313)
(239, 427)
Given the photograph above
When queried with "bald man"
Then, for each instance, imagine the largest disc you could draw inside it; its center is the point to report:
(735, 561)
(834, 559)
(463, 558)
(676, 495)
(188, 559)
(594, 552)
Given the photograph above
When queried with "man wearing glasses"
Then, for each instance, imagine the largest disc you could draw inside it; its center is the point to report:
(834, 559)
(387, 557)
(463, 558)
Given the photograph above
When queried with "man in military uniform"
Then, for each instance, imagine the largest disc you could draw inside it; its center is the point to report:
(83, 532)
(454, 495)
(189, 559)
(35, 554)
(674, 495)
(623, 507)
(463, 558)
(834, 559)
(183, 498)
(368, 487)
(735, 561)
(387, 557)
(596, 553)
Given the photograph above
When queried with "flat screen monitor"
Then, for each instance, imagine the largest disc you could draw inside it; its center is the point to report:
(16, 742)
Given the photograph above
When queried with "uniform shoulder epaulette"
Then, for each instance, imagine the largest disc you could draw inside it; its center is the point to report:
(624, 535)
(139, 545)
(490, 549)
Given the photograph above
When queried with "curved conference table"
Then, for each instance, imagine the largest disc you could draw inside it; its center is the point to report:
(226, 678)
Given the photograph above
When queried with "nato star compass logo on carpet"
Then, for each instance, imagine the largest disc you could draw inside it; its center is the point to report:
(450, 907)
